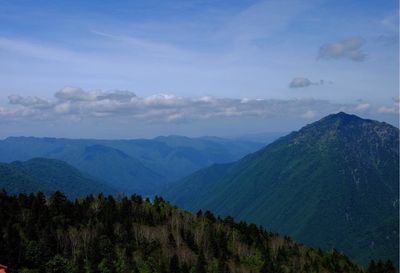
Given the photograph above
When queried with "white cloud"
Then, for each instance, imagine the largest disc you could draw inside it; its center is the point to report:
(63, 108)
(74, 94)
(300, 82)
(349, 48)
(76, 103)
(33, 102)
(77, 94)
(117, 95)
(309, 114)
(362, 107)
(119, 112)
(388, 110)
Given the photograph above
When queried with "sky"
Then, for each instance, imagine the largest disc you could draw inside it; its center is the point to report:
(127, 69)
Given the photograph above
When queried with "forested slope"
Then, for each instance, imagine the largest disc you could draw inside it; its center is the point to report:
(104, 235)
(48, 176)
(332, 184)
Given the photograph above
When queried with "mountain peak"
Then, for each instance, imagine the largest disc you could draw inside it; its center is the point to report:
(341, 171)
(342, 116)
(345, 128)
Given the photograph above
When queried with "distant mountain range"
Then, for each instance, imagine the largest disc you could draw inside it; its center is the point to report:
(132, 166)
(332, 184)
(48, 176)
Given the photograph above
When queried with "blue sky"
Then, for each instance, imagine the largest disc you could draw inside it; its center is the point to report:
(145, 68)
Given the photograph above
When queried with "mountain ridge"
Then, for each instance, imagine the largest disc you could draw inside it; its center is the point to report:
(48, 175)
(334, 167)
(139, 165)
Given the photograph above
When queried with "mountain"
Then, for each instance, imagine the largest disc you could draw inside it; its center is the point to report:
(144, 166)
(48, 175)
(175, 157)
(334, 183)
(101, 234)
(265, 138)
(118, 169)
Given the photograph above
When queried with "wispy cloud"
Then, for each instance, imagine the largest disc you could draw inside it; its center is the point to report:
(262, 20)
(35, 50)
(154, 49)
(391, 21)
(393, 109)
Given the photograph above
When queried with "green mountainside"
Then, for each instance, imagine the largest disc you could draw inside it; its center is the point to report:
(333, 184)
(48, 175)
(144, 166)
(100, 234)
(120, 170)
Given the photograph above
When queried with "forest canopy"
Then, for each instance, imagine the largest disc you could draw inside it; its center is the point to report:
(106, 234)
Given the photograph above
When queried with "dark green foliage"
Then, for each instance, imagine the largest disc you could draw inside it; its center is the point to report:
(105, 266)
(201, 265)
(58, 264)
(334, 183)
(387, 267)
(48, 175)
(101, 234)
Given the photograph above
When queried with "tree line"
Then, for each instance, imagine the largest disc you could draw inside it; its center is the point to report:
(107, 234)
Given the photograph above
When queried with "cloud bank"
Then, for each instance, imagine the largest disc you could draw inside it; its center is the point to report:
(74, 112)
(349, 48)
(76, 104)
